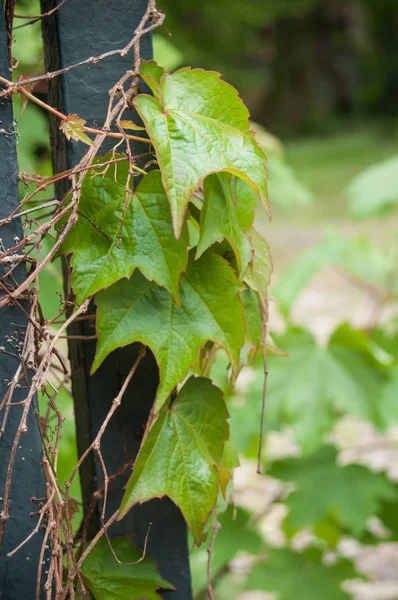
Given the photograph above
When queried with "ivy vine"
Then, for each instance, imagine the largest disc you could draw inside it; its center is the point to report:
(176, 264)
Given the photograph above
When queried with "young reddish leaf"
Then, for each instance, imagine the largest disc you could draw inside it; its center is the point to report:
(131, 125)
(73, 129)
(24, 99)
(322, 383)
(179, 454)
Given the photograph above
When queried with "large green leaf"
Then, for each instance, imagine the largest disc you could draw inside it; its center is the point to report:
(322, 384)
(138, 310)
(108, 580)
(325, 492)
(301, 576)
(103, 251)
(309, 389)
(199, 125)
(179, 454)
(220, 219)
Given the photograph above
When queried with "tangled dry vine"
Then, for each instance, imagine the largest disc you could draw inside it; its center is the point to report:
(175, 264)
(42, 367)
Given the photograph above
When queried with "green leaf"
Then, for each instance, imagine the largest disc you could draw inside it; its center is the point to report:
(198, 126)
(131, 125)
(322, 384)
(372, 264)
(299, 274)
(230, 457)
(389, 401)
(308, 390)
(253, 319)
(386, 342)
(179, 454)
(152, 73)
(165, 52)
(301, 576)
(284, 188)
(259, 273)
(104, 251)
(108, 580)
(219, 219)
(138, 310)
(73, 129)
(324, 491)
(388, 515)
(236, 535)
(374, 191)
(359, 256)
(369, 344)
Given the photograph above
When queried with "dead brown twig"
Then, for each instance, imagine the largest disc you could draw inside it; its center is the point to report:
(36, 369)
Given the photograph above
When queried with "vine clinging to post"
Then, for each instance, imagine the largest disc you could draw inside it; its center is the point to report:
(164, 267)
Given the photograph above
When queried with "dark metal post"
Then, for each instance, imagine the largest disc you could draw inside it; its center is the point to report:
(77, 31)
(18, 574)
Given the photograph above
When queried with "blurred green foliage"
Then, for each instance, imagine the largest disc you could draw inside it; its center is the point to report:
(299, 64)
(226, 36)
(375, 191)
(310, 390)
(301, 575)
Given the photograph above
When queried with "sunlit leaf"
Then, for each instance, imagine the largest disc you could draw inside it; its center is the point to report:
(24, 99)
(72, 127)
(165, 52)
(152, 73)
(199, 125)
(130, 125)
(253, 319)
